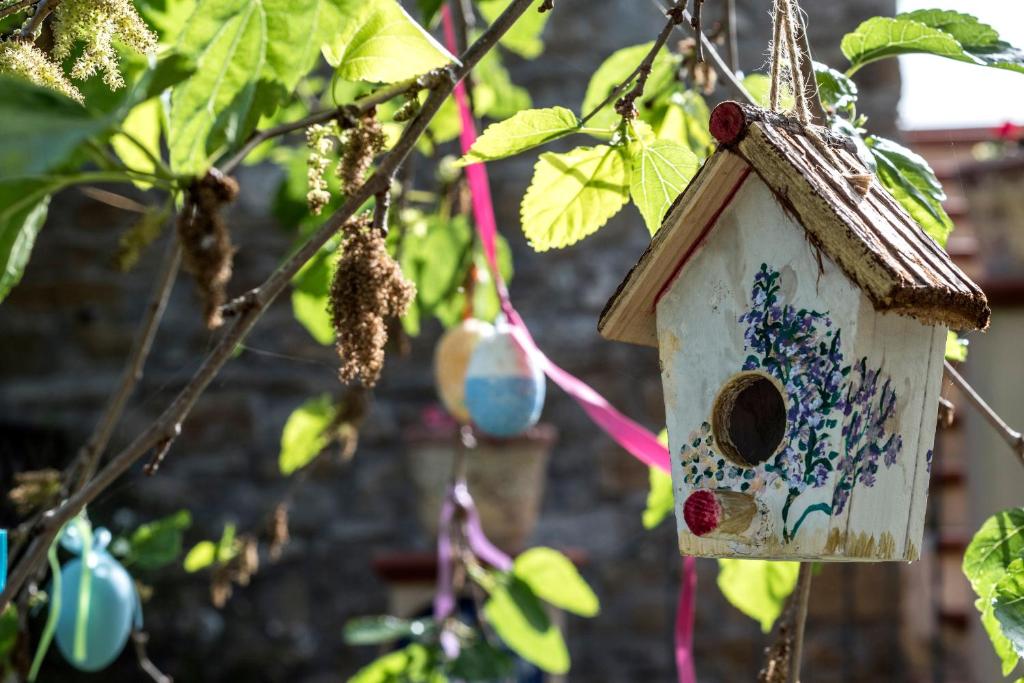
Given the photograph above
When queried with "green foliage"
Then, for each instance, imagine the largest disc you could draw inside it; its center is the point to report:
(524, 36)
(553, 577)
(993, 563)
(40, 128)
(837, 91)
(937, 32)
(412, 664)
(380, 630)
(377, 41)
(660, 502)
(8, 633)
(758, 588)
(684, 119)
(573, 194)
(310, 289)
(23, 208)
(479, 660)
(659, 171)
(913, 184)
(519, 619)
(158, 543)
(138, 142)
(495, 95)
(208, 553)
(305, 433)
(524, 131)
(615, 69)
(956, 348)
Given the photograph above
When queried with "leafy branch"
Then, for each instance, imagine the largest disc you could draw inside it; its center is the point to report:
(165, 429)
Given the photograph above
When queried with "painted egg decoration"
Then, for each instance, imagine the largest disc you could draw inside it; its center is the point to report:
(112, 609)
(504, 386)
(451, 360)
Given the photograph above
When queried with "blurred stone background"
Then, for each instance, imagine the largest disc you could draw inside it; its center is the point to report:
(67, 327)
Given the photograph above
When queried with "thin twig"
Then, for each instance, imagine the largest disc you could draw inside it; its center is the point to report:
(1012, 437)
(165, 426)
(676, 15)
(139, 640)
(802, 595)
(16, 7)
(697, 23)
(43, 9)
(89, 457)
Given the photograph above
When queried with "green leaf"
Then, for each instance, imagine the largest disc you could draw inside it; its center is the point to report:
(9, 629)
(158, 543)
(956, 348)
(660, 170)
(942, 33)
(518, 617)
(384, 629)
(525, 130)
(758, 588)
(1000, 643)
(911, 181)
(837, 91)
(227, 548)
(381, 43)
(659, 499)
(40, 128)
(760, 88)
(142, 124)
(553, 577)
(1008, 605)
(524, 36)
(23, 208)
(573, 194)
(480, 661)
(412, 664)
(310, 294)
(201, 556)
(305, 433)
(997, 544)
(495, 95)
(615, 69)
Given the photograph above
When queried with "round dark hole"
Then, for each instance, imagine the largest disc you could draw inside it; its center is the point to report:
(749, 419)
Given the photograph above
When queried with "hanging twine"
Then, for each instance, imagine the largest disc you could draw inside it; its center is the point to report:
(787, 60)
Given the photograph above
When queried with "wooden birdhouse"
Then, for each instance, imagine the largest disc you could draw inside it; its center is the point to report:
(801, 315)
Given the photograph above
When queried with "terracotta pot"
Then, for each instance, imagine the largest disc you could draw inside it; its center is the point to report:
(995, 198)
(505, 477)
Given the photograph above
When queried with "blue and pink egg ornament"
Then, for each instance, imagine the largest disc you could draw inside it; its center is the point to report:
(504, 385)
(451, 360)
(97, 584)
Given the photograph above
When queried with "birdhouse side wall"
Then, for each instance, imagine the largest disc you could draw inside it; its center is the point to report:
(757, 301)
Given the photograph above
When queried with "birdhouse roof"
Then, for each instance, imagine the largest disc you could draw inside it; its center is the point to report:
(846, 213)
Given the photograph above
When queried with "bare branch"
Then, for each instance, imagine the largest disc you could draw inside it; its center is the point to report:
(801, 596)
(442, 83)
(43, 10)
(139, 640)
(1012, 437)
(16, 6)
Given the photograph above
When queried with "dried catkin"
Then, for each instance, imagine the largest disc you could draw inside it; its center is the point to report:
(205, 241)
(320, 141)
(360, 145)
(368, 287)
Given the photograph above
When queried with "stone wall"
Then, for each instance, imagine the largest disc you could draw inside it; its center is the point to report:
(67, 327)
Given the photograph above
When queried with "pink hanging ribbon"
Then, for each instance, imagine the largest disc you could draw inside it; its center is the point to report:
(634, 438)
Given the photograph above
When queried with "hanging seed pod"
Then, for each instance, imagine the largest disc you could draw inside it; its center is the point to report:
(504, 385)
(360, 145)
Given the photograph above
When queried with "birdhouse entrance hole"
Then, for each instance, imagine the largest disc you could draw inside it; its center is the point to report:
(749, 419)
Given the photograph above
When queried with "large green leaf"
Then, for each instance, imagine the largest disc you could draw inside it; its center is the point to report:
(837, 91)
(310, 293)
(913, 184)
(553, 577)
(685, 120)
(524, 36)
(23, 208)
(495, 95)
(1000, 643)
(305, 433)
(660, 170)
(138, 143)
(758, 588)
(573, 194)
(997, 544)
(158, 543)
(380, 42)
(412, 664)
(518, 617)
(1008, 605)
(937, 32)
(524, 131)
(614, 70)
(39, 129)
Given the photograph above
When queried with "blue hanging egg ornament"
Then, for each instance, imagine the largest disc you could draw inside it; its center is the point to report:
(102, 587)
(451, 360)
(504, 386)
(3, 559)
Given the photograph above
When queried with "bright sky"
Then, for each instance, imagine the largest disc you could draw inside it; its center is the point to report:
(941, 93)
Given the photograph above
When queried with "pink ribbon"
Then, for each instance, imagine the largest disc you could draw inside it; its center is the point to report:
(634, 438)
